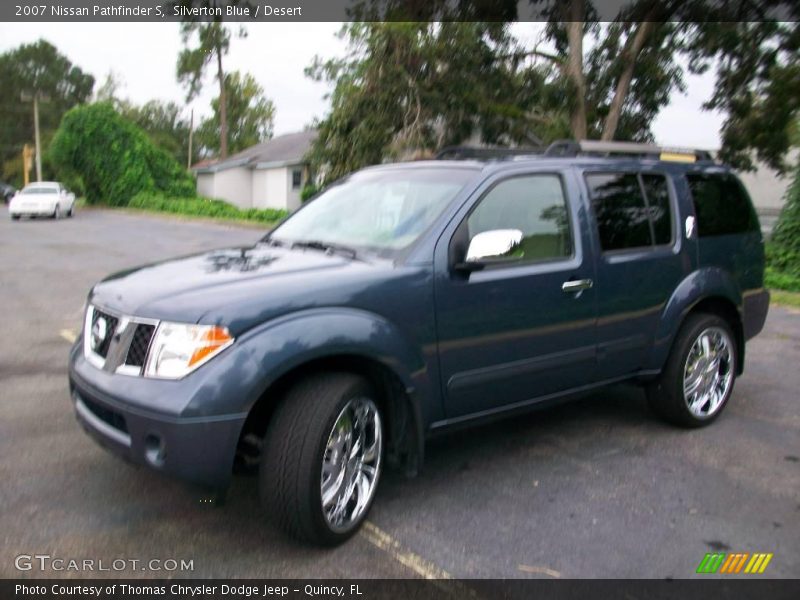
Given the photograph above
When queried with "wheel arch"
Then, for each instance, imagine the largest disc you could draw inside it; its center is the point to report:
(710, 290)
(343, 340)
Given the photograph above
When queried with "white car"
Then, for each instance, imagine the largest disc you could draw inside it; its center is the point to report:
(42, 199)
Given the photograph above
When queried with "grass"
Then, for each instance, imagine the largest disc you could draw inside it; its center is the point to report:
(784, 298)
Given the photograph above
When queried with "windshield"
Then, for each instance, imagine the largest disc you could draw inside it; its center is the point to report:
(39, 190)
(383, 211)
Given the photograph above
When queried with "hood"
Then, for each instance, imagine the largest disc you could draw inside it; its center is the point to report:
(184, 289)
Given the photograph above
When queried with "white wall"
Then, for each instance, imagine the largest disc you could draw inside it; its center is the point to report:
(293, 195)
(766, 188)
(205, 184)
(233, 185)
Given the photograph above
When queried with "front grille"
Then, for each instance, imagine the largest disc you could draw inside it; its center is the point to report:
(137, 351)
(111, 326)
(111, 417)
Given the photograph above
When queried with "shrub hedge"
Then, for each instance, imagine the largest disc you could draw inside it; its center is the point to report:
(204, 207)
(114, 158)
(783, 248)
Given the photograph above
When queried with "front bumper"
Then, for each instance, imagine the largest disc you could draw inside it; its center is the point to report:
(200, 449)
(31, 211)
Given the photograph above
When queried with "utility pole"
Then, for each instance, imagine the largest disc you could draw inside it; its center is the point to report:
(36, 97)
(37, 140)
(191, 130)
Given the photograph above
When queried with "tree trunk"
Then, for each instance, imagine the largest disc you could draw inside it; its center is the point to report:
(575, 68)
(223, 108)
(633, 46)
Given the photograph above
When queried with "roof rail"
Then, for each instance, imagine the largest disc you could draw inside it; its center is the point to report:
(599, 148)
(467, 152)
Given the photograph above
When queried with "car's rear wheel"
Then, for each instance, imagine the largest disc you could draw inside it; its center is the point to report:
(322, 458)
(71, 211)
(15, 217)
(698, 379)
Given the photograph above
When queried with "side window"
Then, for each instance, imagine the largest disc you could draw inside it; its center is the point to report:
(620, 210)
(721, 205)
(632, 210)
(657, 195)
(535, 205)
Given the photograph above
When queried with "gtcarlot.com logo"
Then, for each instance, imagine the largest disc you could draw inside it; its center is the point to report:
(734, 563)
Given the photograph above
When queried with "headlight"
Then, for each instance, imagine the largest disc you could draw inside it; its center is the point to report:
(178, 349)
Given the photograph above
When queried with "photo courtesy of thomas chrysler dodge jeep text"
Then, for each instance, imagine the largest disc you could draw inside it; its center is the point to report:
(409, 299)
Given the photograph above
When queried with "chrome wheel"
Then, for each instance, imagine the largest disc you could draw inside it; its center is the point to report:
(708, 373)
(351, 464)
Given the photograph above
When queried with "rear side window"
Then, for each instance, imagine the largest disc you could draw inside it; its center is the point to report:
(632, 211)
(535, 205)
(721, 205)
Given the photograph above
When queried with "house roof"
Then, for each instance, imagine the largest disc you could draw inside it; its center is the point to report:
(288, 149)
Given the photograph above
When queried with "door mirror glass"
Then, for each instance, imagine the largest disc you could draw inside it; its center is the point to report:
(494, 244)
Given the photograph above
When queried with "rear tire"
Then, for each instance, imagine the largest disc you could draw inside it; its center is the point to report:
(698, 378)
(322, 458)
(15, 217)
(71, 212)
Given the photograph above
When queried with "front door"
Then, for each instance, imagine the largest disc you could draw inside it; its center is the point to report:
(523, 327)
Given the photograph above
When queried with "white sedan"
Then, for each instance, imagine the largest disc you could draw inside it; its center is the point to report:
(42, 199)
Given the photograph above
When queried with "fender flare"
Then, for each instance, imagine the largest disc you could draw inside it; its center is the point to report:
(709, 282)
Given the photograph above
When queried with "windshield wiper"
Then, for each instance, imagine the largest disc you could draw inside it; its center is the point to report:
(326, 247)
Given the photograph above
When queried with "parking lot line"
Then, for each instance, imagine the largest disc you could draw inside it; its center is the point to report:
(69, 335)
(540, 571)
(382, 540)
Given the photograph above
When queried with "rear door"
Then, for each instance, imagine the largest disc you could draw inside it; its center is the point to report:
(640, 262)
(513, 332)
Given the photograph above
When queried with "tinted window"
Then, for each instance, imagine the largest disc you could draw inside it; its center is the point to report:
(721, 205)
(620, 210)
(655, 187)
(533, 204)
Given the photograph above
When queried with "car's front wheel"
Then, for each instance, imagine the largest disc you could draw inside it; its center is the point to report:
(698, 378)
(322, 458)
(57, 212)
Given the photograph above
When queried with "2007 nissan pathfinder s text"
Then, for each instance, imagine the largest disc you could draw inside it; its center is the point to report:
(407, 299)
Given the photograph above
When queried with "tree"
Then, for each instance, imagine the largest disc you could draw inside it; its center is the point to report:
(620, 85)
(251, 116)
(167, 126)
(408, 88)
(114, 158)
(30, 69)
(213, 43)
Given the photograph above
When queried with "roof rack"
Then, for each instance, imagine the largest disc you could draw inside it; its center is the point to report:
(467, 152)
(568, 148)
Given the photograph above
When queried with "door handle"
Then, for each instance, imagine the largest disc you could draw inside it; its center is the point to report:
(576, 285)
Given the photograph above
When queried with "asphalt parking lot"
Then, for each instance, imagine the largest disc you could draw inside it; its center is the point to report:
(596, 488)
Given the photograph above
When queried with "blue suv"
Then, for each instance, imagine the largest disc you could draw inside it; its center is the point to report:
(411, 298)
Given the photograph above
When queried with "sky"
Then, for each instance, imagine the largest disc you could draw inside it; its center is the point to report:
(143, 57)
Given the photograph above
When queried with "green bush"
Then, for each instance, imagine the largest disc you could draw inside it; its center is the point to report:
(113, 158)
(204, 207)
(783, 248)
(308, 191)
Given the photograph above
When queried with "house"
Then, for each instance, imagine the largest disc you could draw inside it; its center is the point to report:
(267, 175)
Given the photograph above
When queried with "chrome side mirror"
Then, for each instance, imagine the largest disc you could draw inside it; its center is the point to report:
(494, 244)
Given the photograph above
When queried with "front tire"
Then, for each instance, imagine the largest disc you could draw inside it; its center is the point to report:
(322, 458)
(57, 212)
(698, 379)
(15, 217)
